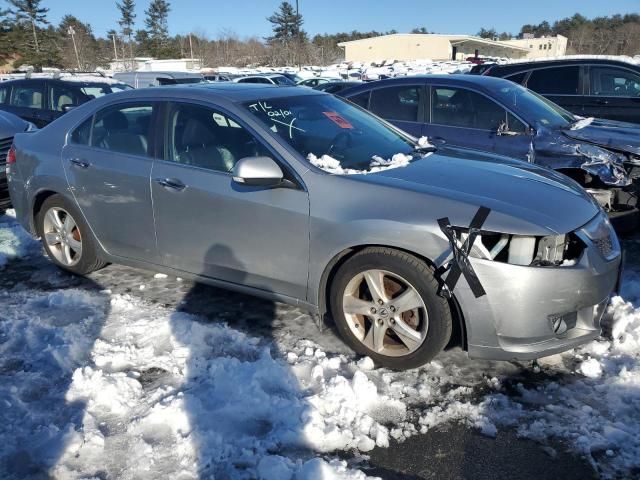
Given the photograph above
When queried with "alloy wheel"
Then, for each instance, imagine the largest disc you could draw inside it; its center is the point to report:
(62, 236)
(385, 312)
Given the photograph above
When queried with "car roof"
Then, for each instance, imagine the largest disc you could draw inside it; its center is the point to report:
(75, 81)
(569, 60)
(453, 79)
(228, 91)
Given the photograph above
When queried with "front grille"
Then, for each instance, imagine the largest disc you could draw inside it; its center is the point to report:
(5, 145)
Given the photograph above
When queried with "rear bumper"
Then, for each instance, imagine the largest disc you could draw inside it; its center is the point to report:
(532, 312)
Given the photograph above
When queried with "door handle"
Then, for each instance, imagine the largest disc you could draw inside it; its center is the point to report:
(171, 184)
(602, 102)
(79, 163)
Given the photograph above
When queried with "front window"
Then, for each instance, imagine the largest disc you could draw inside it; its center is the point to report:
(534, 107)
(459, 107)
(319, 126)
(614, 82)
(201, 137)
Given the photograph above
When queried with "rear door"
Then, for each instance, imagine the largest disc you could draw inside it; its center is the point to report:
(209, 225)
(108, 161)
(27, 100)
(614, 93)
(562, 85)
(402, 105)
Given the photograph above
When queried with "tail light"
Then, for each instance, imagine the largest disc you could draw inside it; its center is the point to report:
(11, 155)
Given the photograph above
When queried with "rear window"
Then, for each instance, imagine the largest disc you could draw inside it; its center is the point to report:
(397, 103)
(555, 81)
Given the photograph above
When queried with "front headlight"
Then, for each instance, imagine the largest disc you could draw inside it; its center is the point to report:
(601, 234)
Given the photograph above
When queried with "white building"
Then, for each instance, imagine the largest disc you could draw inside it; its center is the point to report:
(148, 64)
(542, 47)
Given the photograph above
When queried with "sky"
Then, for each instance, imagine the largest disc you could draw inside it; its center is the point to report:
(248, 17)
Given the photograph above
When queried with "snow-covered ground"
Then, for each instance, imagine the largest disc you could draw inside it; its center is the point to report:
(96, 384)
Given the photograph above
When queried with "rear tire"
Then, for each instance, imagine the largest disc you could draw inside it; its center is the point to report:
(385, 304)
(66, 237)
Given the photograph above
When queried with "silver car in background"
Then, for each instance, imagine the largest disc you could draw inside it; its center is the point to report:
(304, 198)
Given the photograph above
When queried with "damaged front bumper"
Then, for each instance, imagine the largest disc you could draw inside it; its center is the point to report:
(530, 312)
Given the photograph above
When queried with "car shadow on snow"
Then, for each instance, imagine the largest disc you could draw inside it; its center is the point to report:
(245, 407)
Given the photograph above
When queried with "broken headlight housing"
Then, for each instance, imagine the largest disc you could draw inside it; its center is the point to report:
(535, 251)
(601, 234)
(604, 164)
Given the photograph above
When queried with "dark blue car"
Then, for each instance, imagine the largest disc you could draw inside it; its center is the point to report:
(499, 116)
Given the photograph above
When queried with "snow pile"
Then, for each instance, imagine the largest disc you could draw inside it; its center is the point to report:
(14, 240)
(118, 386)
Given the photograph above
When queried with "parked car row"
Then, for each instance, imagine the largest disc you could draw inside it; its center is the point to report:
(300, 196)
(501, 117)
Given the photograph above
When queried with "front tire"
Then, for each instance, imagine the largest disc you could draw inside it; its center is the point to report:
(66, 236)
(385, 304)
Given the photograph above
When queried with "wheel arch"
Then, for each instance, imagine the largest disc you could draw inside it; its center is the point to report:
(459, 332)
(38, 200)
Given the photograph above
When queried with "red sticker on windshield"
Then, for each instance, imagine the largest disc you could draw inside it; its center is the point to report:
(338, 120)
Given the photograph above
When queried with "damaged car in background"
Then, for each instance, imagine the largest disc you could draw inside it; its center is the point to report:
(499, 116)
(301, 197)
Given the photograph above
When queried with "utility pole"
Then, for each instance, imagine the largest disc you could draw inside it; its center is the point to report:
(191, 48)
(298, 35)
(71, 31)
(115, 49)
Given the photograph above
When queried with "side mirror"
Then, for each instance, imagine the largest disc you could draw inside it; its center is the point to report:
(67, 107)
(258, 172)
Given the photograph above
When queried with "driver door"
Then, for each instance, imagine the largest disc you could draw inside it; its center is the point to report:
(206, 224)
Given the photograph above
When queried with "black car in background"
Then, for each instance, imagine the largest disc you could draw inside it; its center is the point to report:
(590, 87)
(335, 87)
(9, 126)
(42, 100)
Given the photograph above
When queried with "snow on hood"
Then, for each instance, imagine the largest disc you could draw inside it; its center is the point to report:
(581, 123)
(378, 164)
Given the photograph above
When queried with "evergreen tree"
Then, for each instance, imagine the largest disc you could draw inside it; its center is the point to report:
(30, 12)
(287, 32)
(127, 21)
(158, 29)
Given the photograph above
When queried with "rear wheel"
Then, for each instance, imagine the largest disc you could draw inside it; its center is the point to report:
(385, 305)
(66, 237)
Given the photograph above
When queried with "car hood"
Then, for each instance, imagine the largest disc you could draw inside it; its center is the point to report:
(618, 136)
(525, 198)
(11, 124)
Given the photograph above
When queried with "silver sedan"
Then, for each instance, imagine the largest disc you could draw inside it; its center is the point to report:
(304, 198)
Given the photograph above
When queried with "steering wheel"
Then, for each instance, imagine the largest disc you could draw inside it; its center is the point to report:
(339, 138)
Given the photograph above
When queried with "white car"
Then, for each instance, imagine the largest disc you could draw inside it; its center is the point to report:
(269, 79)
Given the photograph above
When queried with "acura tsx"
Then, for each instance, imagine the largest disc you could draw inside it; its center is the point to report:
(305, 198)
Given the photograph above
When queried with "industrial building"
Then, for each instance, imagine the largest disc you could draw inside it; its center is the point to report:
(410, 46)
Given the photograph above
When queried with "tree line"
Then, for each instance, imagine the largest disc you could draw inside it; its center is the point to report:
(27, 37)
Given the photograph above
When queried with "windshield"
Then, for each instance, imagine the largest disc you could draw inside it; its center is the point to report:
(282, 80)
(323, 125)
(534, 107)
(97, 91)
